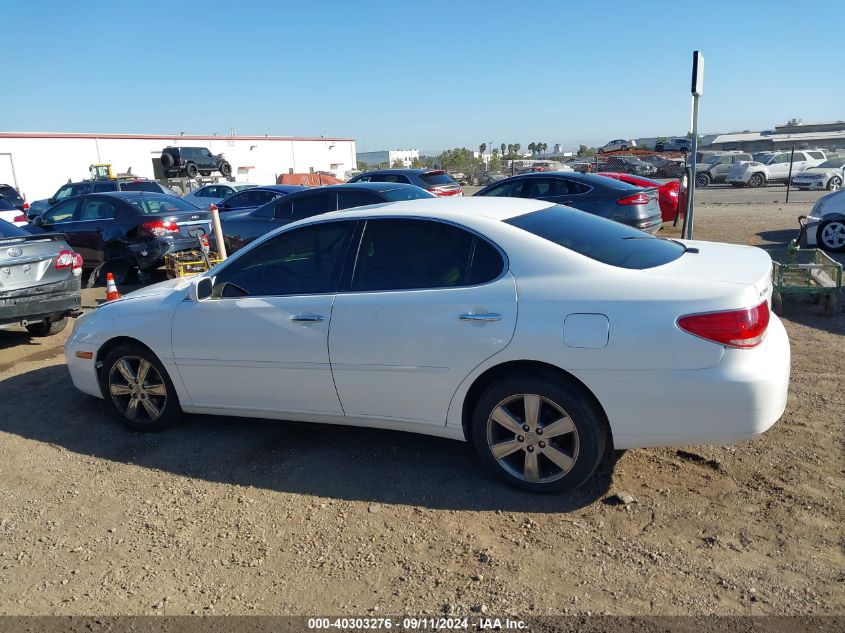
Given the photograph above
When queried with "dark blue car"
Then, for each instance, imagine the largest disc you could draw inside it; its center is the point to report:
(255, 197)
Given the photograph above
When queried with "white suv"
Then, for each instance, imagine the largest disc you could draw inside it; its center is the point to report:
(773, 167)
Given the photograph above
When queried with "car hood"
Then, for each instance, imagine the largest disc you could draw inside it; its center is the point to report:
(156, 290)
(817, 171)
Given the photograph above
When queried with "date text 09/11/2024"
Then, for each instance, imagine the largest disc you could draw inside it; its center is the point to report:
(416, 623)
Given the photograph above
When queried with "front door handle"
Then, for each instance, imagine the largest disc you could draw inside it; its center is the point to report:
(486, 316)
(307, 318)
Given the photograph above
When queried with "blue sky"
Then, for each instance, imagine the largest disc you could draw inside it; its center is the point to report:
(419, 74)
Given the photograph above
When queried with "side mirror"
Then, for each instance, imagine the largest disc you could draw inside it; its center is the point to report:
(201, 288)
(38, 220)
(51, 200)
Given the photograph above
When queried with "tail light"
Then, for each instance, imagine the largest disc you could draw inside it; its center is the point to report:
(160, 228)
(69, 259)
(20, 218)
(637, 198)
(444, 192)
(25, 205)
(735, 328)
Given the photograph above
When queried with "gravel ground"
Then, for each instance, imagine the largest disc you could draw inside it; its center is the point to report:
(231, 516)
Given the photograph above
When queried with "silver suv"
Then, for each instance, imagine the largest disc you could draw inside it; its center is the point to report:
(716, 167)
(773, 167)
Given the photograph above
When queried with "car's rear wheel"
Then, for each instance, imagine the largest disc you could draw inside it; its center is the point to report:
(831, 236)
(138, 389)
(226, 169)
(702, 180)
(191, 170)
(167, 160)
(834, 184)
(777, 303)
(624, 147)
(46, 328)
(756, 180)
(539, 434)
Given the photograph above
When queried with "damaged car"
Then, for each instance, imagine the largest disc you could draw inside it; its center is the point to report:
(125, 231)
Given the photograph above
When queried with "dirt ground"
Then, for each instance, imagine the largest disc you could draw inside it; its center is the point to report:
(232, 516)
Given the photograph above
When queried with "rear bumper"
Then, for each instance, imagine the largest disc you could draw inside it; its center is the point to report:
(38, 303)
(150, 254)
(742, 396)
(649, 225)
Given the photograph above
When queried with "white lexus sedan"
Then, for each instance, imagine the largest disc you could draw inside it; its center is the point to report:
(544, 335)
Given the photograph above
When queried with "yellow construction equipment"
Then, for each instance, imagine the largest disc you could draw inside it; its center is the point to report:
(101, 171)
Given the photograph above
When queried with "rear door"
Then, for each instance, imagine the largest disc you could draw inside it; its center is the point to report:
(427, 303)
(92, 226)
(60, 218)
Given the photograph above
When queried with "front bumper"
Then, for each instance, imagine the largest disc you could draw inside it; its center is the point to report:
(38, 303)
(819, 184)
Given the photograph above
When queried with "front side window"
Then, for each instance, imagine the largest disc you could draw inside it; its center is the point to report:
(508, 189)
(97, 208)
(417, 254)
(307, 206)
(62, 212)
(307, 260)
(151, 205)
(69, 191)
(405, 193)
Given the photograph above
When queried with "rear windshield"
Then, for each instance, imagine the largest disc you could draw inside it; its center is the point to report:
(151, 205)
(141, 185)
(10, 230)
(11, 194)
(407, 193)
(5, 205)
(438, 178)
(242, 187)
(597, 238)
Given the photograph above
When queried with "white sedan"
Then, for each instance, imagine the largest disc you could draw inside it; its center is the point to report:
(826, 223)
(544, 335)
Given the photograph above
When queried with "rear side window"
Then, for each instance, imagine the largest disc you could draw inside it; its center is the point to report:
(10, 230)
(419, 254)
(5, 205)
(307, 206)
(141, 185)
(11, 194)
(388, 178)
(438, 178)
(351, 199)
(100, 187)
(507, 189)
(603, 240)
(407, 193)
(152, 205)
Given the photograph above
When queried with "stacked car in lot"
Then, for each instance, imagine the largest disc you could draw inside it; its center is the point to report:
(773, 167)
(716, 167)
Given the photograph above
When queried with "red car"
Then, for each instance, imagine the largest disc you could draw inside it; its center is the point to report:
(668, 193)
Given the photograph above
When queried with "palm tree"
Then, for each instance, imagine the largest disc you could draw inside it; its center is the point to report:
(545, 147)
(516, 147)
(510, 149)
(532, 147)
(502, 147)
(481, 149)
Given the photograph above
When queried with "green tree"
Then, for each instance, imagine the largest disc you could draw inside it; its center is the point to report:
(458, 159)
(363, 166)
(516, 148)
(532, 147)
(510, 149)
(583, 150)
(502, 147)
(495, 163)
(545, 147)
(481, 149)
(398, 164)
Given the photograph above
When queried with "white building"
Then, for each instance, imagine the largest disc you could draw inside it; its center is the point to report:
(389, 157)
(38, 163)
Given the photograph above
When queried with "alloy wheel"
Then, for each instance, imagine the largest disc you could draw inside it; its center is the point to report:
(833, 235)
(532, 438)
(137, 388)
(834, 184)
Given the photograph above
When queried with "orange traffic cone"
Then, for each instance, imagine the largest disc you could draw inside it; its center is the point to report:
(111, 288)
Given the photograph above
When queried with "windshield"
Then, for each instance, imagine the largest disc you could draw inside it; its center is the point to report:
(151, 205)
(834, 163)
(713, 159)
(603, 240)
(407, 193)
(242, 187)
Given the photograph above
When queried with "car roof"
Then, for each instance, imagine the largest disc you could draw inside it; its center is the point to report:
(128, 194)
(589, 179)
(371, 186)
(454, 209)
(410, 170)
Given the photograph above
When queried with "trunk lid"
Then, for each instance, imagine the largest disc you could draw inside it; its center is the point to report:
(29, 261)
(184, 221)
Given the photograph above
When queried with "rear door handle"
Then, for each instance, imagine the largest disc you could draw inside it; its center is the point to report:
(307, 318)
(486, 316)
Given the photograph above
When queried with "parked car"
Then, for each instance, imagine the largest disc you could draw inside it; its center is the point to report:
(489, 176)
(71, 189)
(828, 175)
(771, 167)
(40, 281)
(128, 229)
(664, 167)
(214, 193)
(11, 214)
(404, 316)
(617, 145)
(717, 167)
(193, 161)
(13, 196)
(239, 229)
(677, 144)
(826, 223)
(582, 165)
(255, 197)
(627, 165)
(607, 198)
(668, 193)
(437, 181)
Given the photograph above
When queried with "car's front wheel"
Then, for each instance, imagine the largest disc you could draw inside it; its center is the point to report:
(831, 236)
(226, 169)
(756, 180)
(138, 389)
(539, 433)
(702, 180)
(834, 184)
(47, 328)
(191, 170)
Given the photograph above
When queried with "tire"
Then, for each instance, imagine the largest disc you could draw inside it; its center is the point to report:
(577, 450)
(702, 180)
(756, 180)
(156, 391)
(226, 169)
(834, 184)
(829, 303)
(624, 148)
(777, 303)
(47, 328)
(830, 236)
(167, 160)
(191, 170)
(600, 151)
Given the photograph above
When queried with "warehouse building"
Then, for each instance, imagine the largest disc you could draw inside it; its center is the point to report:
(38, 163)
(794, 134)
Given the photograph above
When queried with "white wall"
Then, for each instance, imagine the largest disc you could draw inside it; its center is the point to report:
(42, 164)
(407, 156)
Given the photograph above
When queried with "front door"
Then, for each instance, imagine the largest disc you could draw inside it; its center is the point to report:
(260, 343)
(428, 301)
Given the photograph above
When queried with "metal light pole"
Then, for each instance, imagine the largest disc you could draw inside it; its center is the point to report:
(697, 89)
